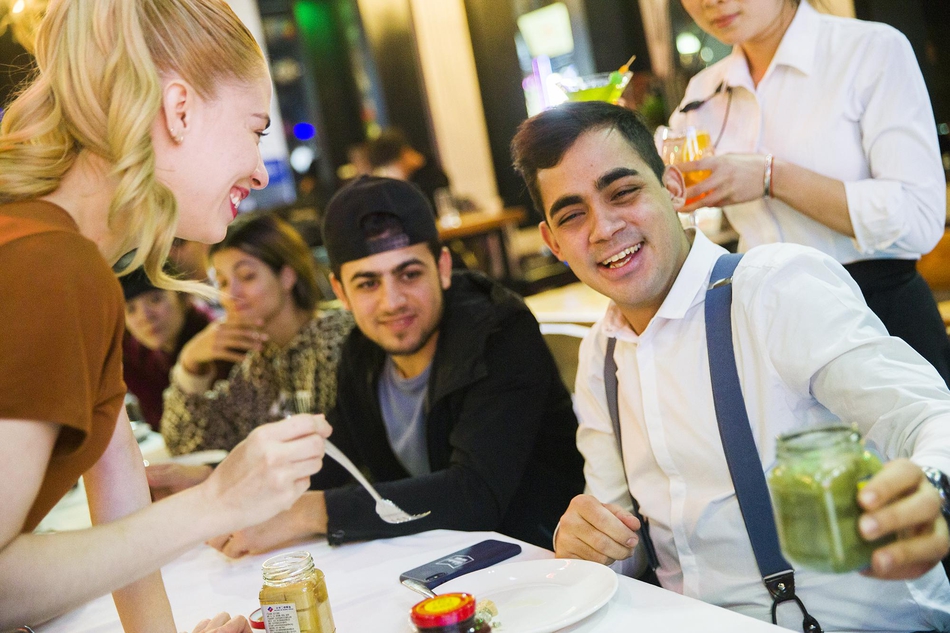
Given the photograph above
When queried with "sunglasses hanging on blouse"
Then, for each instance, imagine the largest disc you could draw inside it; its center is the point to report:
(695, 105)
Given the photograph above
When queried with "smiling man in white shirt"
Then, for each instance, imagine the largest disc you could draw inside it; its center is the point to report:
(808, 353)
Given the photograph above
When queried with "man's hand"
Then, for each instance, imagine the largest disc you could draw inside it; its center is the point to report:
(224, 623)
(595, 531)
(900, 500)
(306, 519)
(169, 478)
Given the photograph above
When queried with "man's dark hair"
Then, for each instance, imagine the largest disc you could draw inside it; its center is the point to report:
(542, 140)
(387, 147)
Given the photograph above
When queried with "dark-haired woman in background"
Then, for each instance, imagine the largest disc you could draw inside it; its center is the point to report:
(158, 323)
(824, 136)
(286, 349)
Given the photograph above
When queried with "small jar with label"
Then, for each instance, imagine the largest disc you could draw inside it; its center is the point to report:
(294, 596)
(448, 613)
(814, 486)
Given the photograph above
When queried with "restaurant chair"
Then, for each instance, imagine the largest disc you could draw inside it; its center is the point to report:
(564, 341)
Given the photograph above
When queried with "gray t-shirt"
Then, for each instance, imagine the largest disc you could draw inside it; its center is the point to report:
(402, 402)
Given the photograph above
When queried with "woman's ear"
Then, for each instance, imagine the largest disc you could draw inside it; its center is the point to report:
(177, 101)
(288, 277)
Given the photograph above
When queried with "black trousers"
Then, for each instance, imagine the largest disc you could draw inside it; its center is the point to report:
(900, 297)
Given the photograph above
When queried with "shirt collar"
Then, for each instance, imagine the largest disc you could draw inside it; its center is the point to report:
(688, 289)
(797, 49)
(736, 71)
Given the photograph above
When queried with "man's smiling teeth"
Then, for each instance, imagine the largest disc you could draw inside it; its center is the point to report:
(622, 255)
(236, 198)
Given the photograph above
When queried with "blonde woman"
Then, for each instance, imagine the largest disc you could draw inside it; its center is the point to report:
(142, 124)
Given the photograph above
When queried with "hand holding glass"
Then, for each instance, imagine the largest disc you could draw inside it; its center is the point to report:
(678, 147)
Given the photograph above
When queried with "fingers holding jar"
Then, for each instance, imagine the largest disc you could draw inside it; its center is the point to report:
(223, 623)
(900, 501)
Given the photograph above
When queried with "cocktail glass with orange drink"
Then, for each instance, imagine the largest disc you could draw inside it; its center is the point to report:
(685, 146)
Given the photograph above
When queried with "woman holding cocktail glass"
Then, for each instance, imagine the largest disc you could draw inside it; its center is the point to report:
(824, 135)
(142, 123)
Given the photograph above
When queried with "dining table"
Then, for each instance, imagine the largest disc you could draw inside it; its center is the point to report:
(572, 303)
(484, 232)
(366, 596)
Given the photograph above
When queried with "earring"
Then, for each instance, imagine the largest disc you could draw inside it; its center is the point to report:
(178, 138)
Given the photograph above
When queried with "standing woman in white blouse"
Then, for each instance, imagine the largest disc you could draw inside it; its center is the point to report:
(824, 136)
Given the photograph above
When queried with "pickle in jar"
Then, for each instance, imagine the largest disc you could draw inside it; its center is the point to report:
(814, 487)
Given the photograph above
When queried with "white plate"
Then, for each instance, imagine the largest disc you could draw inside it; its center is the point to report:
(200, 457)
(539, 596)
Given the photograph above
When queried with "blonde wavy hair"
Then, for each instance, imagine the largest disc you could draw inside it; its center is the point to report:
(98, 87)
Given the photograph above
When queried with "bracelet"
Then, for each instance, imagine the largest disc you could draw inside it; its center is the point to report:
(767, 179)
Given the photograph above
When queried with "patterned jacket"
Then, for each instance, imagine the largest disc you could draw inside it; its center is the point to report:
(264, 387)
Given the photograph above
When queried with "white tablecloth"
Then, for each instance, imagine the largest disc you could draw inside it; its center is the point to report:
(365, 594)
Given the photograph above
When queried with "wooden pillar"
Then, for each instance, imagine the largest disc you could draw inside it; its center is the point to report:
(454, 99)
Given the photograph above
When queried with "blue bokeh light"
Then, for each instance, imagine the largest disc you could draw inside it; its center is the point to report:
(304, 131)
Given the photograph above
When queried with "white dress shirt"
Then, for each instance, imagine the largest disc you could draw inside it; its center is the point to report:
(808, 352)
(846, 99)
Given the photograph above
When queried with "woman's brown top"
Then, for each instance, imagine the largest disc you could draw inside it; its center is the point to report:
(61, 324)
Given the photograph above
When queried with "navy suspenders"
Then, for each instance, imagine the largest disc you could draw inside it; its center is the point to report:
(610, 384)
(745, 466)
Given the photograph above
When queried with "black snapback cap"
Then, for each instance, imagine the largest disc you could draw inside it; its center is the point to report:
(352, 212)
(135, 284)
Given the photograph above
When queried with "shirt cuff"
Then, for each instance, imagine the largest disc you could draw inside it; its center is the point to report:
(933, 461)
(872, 205)
(190, 383)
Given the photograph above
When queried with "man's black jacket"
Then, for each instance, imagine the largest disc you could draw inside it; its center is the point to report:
(500, 428)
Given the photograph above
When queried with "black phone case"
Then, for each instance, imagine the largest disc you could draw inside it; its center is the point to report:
(478, 556)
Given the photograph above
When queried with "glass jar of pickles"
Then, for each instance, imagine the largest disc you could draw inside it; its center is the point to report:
(814, 487)
(448, 613)
(294, 596)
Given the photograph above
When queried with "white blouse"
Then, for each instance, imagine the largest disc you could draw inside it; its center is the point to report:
(846, 99)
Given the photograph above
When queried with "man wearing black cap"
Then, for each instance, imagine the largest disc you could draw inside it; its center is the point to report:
(448, 397)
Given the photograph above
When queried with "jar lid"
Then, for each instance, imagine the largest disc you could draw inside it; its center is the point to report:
(257, 620)
(444, 610)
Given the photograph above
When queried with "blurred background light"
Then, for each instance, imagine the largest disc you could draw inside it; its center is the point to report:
(304, 131)
(301, 158)
(688, 44)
